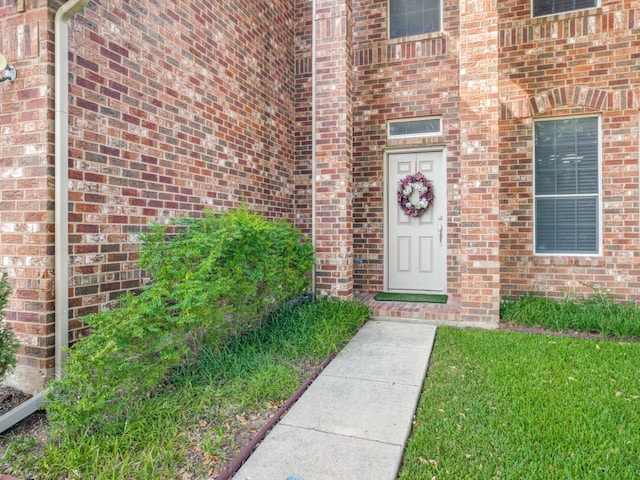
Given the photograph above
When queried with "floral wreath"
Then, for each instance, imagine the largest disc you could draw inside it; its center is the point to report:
(415, 184)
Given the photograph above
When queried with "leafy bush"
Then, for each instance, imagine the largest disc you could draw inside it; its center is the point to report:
(8, 342)
(201, 413)
(212, 278)
(597, 313)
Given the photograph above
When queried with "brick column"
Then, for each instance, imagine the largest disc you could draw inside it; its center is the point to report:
(334, 156)
(479, 160)
(26, 188)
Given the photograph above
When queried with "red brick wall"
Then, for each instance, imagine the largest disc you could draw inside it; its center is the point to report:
(575, 63)
(403, 79)
(303, 116)
(26, 195)
(171, 111)
(479, 159)
(333, 213)
(396, 79)
(334, 158)
(207, 106)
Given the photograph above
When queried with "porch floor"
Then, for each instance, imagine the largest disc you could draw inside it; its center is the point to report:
(429, 313)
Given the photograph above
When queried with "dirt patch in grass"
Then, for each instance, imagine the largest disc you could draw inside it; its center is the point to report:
(571, 333)
(239, 431)
(11, 398)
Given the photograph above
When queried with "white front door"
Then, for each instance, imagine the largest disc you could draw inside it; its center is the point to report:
(417, 246)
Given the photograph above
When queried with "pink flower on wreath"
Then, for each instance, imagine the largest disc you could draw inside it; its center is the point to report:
(415, 194)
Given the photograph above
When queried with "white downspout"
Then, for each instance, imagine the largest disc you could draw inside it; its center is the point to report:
(313, 137)
(63, 15)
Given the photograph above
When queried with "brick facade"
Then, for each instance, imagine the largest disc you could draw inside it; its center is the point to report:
(171, 111)
(26, 196)
(217, 103)
(479, 158)
(396, 80)
(574, 63)
(333, 145)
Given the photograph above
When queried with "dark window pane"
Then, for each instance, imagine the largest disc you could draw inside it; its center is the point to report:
(413, 17)
(566, 225)
(566, 173)
(587, 225)
(415, 127)
(548, 7)
(545, 182)
(587, 180)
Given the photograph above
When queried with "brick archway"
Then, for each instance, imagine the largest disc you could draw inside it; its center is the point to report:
(596, 99)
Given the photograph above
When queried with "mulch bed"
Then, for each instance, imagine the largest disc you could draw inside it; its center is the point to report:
(10, 398)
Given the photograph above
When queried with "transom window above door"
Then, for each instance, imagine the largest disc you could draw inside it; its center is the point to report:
(549, 7)
(567, 186)
(414, 127)
(414, 17)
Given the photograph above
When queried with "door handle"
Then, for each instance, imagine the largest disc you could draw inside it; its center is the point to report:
(440, 233)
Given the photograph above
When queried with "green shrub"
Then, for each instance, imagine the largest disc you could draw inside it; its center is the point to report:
(8, 342)
(212, 278)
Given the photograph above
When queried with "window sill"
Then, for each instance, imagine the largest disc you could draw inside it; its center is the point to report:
(415, 38)
(433, 141)
(593, 260)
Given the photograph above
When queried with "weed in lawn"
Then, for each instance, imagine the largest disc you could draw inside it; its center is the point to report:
(510, 405)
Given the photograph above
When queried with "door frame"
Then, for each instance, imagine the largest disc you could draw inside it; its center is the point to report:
(387, 191)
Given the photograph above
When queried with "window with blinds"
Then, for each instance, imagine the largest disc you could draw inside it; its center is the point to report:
(414, 17)
(549, 7)
(567, 186)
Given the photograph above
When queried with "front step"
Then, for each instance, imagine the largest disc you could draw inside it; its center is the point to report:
(420, 312)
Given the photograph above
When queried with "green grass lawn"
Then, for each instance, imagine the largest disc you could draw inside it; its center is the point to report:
(499, 404)
(206, 411)
(495, 404)
(595, 313)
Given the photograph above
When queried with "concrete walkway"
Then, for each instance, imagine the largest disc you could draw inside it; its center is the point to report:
(353, 421)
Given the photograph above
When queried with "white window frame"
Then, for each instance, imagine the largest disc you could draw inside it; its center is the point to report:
(599, 194)
(533, 15)
(417, 34)
(414, 135)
